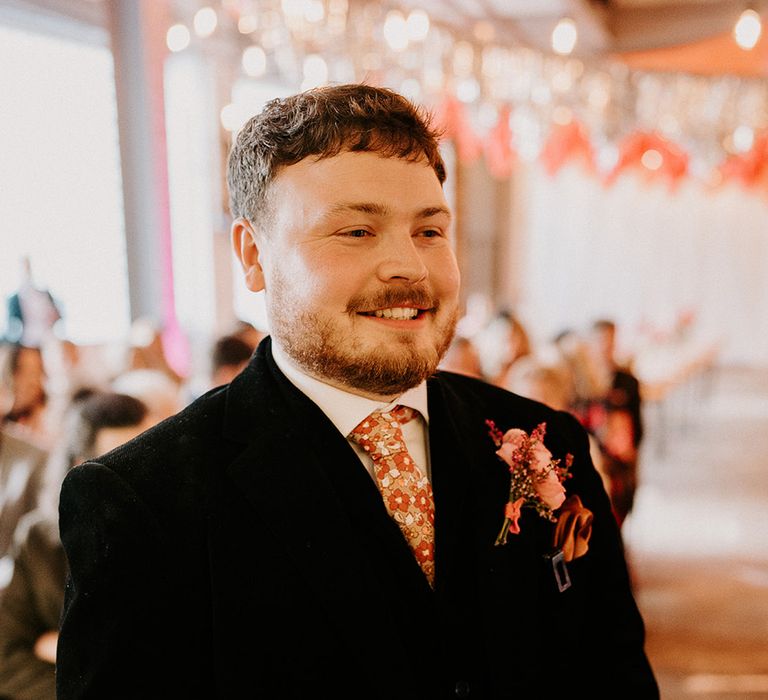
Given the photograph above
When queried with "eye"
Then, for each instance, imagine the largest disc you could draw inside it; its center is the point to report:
(430, 233)
(356, 233)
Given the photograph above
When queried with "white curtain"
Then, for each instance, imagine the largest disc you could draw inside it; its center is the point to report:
(643, 255)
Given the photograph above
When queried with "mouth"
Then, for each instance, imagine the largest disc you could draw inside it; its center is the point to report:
(396, 313)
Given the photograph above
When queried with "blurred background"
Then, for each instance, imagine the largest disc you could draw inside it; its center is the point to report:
(608, 170)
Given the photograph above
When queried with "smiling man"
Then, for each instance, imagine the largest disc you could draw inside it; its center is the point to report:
(327, 524)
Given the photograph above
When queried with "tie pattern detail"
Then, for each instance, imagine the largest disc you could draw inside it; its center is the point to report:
(406, 491)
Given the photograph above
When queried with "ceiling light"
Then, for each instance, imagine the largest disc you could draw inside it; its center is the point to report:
(247, 24)
(205, 21)
(417, 25)
(254, 61)
(395, 31)
(177, 38)
(564, 36)
(747, 30)
(652, 159)
(743, 138)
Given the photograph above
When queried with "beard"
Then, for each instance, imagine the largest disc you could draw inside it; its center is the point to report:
(326, 351)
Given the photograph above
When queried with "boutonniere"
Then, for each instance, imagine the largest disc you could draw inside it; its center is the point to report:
(536, 479)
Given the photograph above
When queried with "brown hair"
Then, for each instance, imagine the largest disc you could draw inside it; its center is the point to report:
(324, 122)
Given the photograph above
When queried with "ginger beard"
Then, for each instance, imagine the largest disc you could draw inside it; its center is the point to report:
(332, 353)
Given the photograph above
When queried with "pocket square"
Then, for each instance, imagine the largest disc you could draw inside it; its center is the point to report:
(573, 529)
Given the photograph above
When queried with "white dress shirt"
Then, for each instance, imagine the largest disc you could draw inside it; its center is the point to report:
(346, 411)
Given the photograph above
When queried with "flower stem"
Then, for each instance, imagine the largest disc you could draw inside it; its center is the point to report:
(502, 538)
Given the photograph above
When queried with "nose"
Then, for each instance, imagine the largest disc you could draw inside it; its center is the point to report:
(401, 260)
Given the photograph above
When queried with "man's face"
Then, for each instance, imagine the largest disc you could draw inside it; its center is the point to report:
(360, 277)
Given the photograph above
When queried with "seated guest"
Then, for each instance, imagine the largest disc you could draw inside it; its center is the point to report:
(160, 394)
(22, 465)
(535, 380)
(32, 603)
(620, 430)
(23, 372)
(462, 357)
(229, 357)
(249, 333)
(502, 342)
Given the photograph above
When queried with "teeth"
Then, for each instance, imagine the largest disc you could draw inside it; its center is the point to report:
(398, 313)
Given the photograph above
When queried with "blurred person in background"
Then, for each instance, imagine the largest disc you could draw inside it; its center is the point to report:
(553, 385)
(462, 357)
(575, 358)
(31, 606)
(248, 333)
(617, 420)
(533, 379)
(502, 342)
(229, 357)
(153, 387)
(22, 467)
(23, 373)
(145, 351)
(32, 311)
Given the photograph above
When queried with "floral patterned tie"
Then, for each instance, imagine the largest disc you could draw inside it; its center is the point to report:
(406, 491)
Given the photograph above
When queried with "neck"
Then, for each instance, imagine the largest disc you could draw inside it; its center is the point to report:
(284, 358)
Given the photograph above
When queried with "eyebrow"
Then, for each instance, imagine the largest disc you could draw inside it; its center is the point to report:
(376, 209)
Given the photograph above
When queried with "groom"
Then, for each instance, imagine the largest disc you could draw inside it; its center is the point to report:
(325, 525)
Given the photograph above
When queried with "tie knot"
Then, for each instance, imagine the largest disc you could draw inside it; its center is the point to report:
(380, 434)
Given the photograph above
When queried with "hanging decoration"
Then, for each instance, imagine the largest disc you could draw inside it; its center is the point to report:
(499, 153)
(567, 142)
(749, 169)
(654, 156)
(493, 98)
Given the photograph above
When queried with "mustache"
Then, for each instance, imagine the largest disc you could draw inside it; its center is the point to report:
(390, 297)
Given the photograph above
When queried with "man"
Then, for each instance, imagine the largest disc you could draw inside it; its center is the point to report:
(619, 426)
(251, 547)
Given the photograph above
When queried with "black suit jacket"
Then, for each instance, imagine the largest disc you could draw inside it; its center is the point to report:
(241, 550)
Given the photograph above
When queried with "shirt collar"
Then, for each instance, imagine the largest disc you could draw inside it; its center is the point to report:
(345, 410)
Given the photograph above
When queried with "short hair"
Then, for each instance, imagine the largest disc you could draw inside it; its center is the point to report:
(324, 122)
(97, 411)
(229, 351)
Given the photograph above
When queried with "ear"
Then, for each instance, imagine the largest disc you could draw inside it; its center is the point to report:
(247, 252)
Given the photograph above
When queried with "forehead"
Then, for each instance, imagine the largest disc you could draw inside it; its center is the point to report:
(358, 176)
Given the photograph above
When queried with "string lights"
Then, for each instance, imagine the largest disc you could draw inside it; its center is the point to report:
(303, 43)
(748, 28)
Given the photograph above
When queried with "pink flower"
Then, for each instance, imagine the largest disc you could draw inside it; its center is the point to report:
(535, 477)
(512, 451)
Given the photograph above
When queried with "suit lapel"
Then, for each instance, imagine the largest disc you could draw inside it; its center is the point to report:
(471, 487)
(308, 486)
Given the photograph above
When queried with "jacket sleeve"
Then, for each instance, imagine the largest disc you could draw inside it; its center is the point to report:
(116, 639)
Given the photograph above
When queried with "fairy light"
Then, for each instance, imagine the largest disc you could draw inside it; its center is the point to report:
(248, 24)
(254, 61)
(177, 38)
(205, 22)
(315, 71)
(652, 159)
(748, 29)
(564, 36)
(743, 138)
(417, 25)
(396, 31)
